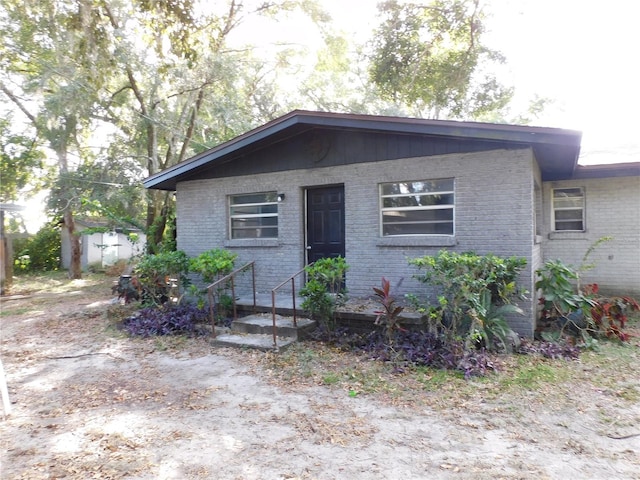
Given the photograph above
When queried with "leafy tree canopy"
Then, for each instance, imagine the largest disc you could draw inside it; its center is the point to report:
(21, 163)
(430, 57)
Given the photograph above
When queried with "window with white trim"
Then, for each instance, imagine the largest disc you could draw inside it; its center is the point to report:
(424, 207)
(253, 215)
(568, 209)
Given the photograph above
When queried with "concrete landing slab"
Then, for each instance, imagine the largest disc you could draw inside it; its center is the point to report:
(267, 321)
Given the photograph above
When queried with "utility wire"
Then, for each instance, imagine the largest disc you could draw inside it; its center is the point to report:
(68, 177)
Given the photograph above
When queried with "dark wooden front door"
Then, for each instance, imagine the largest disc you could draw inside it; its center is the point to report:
(325, 222)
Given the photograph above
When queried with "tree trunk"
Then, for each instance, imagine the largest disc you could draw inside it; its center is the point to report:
(59, 142)
(75, 263)
(6, 259)
(156, 220)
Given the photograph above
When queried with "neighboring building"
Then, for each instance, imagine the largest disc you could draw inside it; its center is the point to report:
(102, 248)
(379, 190)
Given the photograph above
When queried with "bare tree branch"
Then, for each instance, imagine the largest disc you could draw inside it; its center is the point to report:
(19, 104)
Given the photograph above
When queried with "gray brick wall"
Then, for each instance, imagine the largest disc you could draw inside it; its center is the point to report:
(495, 213)
(612, 209)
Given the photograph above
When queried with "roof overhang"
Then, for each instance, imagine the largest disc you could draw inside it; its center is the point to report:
(556, 150)
(609, 170)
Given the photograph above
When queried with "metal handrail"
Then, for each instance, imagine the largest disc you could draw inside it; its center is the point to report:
(293, 302)
(211, 296)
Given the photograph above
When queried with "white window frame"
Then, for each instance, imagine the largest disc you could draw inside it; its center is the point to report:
(244, 216)
(581, 208)
(451, 207)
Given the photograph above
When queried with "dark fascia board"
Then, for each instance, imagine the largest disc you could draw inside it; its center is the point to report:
(516, 134)
(629, 169)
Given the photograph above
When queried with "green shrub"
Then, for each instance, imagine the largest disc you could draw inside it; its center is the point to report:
(213, 264)
(477, 292)
(489, 326)
(581, 309)
(40, 252)
(329, 272)
(559, 294)
(163, 276)
(324, 290)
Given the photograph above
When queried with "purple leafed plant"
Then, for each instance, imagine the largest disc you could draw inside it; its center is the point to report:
(171, 320)
(553, 350)
(420, 348)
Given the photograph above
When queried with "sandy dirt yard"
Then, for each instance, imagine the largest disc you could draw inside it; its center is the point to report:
(90, 403)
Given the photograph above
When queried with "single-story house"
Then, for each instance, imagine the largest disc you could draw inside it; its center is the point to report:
(379, 190)
(102, 245)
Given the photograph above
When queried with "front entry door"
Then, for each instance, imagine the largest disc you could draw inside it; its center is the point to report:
(325, 222)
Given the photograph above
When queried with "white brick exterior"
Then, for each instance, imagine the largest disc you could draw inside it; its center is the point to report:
(495, 212)
(612, 209)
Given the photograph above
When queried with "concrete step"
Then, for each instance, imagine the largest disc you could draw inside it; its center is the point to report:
(251, 340)
(256, 331)
(263, 324)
